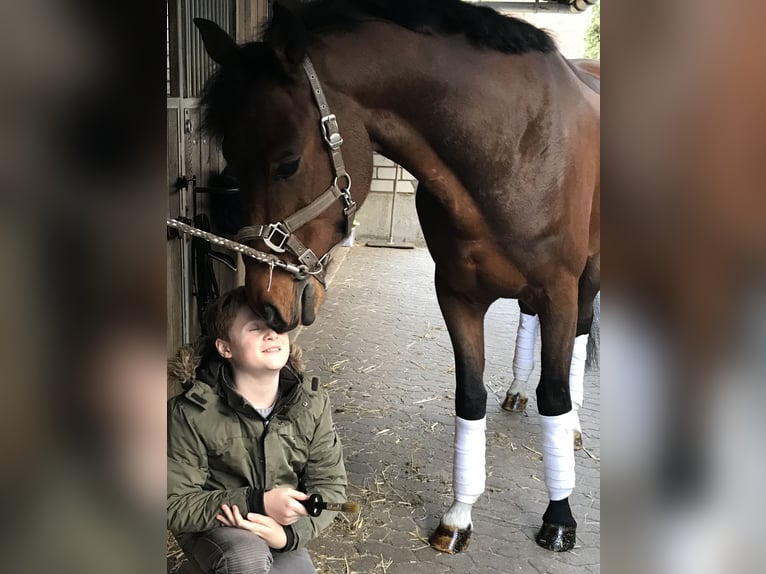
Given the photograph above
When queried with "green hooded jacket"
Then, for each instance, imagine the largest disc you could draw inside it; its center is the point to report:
(220, 450)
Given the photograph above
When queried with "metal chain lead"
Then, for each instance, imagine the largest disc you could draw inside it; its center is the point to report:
(300, 271)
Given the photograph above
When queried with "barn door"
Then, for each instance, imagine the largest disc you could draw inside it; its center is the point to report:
(192, 159)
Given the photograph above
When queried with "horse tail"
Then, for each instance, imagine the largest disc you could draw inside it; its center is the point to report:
(589, 306)
(593, 360)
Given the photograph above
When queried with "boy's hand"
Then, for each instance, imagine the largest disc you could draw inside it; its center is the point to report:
(282, 504)
(267, 528)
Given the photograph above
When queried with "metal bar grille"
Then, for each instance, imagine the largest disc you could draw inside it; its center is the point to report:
(167, 48)
(199, 67)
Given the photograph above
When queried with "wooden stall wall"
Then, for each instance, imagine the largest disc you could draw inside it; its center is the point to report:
(192, 158)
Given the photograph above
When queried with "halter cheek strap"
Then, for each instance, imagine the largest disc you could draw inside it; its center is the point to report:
(332, 138)
(279, 237)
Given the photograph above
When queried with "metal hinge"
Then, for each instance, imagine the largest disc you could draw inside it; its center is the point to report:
(183, 181)
(187, 122)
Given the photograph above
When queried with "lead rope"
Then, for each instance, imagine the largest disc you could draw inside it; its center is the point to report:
(299, 271)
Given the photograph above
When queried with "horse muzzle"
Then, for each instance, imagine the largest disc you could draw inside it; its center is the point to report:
(287, 302)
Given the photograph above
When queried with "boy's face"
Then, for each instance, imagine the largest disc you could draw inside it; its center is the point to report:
(253, 346)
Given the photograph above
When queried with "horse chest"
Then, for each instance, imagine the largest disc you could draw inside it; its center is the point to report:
(478, 270)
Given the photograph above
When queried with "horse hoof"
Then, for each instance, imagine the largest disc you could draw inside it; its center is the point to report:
(556, 538)
(577, 440)
(515, 403)
(450, 540)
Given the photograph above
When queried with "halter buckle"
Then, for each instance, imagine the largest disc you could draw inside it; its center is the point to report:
(331, 133)
(281, 233)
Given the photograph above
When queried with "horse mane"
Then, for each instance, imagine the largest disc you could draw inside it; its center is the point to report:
(482, 25)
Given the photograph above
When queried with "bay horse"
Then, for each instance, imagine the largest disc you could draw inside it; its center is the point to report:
(503, 137)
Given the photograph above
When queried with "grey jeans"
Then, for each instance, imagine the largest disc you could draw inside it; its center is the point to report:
(228, 550)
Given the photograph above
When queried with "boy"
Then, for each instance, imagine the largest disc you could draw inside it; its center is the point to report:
(247, 439)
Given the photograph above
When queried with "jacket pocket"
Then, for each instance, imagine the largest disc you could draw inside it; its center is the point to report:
(287, 452)
(237, 457)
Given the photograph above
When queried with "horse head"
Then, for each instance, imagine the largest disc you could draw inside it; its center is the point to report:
(286, 150)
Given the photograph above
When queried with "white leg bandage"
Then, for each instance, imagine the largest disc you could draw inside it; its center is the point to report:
(577, 370)
(558, 455)
(576, 377)
(469, 473)
(524, 355)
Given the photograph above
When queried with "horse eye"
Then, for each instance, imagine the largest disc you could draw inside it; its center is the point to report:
(287, 168)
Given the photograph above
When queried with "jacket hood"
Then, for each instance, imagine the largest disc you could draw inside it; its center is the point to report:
(200, 360)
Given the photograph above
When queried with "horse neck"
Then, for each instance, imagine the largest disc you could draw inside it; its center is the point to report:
(419, 92)
(424, 103)
(384, 68)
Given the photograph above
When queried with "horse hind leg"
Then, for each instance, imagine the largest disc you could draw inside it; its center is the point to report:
(516, 398)
(587, 289)
(465, 323)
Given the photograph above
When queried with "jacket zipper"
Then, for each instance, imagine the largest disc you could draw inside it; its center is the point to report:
(266, 484)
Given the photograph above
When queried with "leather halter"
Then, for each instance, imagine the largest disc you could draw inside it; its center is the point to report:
(280, 237)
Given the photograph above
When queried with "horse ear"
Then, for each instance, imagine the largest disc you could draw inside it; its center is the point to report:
(287, 34)
(218, 44)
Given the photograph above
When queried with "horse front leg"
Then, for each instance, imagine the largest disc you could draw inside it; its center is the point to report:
(558, 323)
(465, 323)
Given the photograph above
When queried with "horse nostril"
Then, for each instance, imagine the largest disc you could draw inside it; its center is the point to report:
(307, 304)
(268, 313)
(274, 319)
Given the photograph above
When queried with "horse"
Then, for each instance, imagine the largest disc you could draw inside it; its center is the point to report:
(502, 134)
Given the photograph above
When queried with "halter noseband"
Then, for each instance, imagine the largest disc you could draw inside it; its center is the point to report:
(279, 237)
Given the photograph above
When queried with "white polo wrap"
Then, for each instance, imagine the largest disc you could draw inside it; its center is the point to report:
(469, 465)
(577, 370)
(524, 356)
(558, 455)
